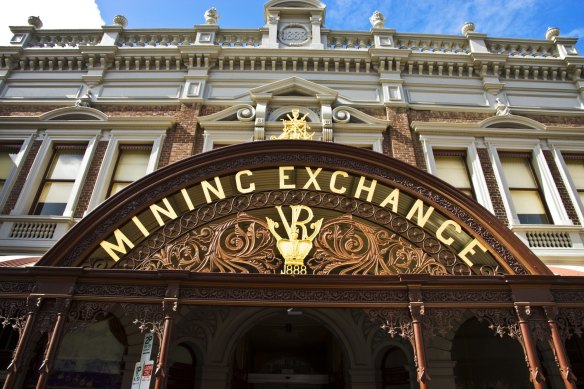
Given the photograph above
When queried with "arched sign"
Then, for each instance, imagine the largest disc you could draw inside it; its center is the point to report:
(294, 207)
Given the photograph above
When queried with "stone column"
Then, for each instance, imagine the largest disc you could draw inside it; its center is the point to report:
(535, 373)
(62, 307)
(169, 308)
(559, 349)
(15, 369)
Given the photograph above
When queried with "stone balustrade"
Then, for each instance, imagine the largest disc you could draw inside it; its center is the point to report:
(69, 39)
(432, 44)
(346, 40)
(522, 48)
(168, 38)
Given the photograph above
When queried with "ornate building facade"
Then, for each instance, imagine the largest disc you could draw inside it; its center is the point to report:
(290, 206)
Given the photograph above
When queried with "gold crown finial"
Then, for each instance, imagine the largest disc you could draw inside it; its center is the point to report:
(297, 246)
(295, 127)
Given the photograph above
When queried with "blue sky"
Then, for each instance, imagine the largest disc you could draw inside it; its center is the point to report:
(501, 18)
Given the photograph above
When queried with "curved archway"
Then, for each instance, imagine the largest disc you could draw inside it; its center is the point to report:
(182, 367)
(483, 360)
(397, 371)
(289, 347)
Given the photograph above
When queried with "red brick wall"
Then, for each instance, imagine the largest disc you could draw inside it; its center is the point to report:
(22, 176)
(496, 198)
(90, 179)
(568, 205)
(401, 137)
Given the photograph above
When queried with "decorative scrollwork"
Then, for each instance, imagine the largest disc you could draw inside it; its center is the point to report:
(341, 115)
(501, 321)
(239, 245)
(394, 322)
(346, 246)
(13, 314)
(440, 321)
(570, 322)
(246, 114)
(84, 313)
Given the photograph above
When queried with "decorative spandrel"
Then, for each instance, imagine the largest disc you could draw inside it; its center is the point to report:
(297, 239)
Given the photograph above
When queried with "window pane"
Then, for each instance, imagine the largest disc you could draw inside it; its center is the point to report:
(66, 165)
(53, 198)
(529, 207)
(518, 172)
(6, 164)
(118, 186)
(132, 164)
(452, 169)
(576, 170)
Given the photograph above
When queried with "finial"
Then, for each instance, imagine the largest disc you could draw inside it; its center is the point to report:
(120, 20)
(551, 33)
(467, 27)
(35, 21)
(212, 16)
(377, 20)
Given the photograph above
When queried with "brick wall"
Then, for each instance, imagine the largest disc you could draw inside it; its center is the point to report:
(90, 179)
(568, 205)
(496, 198)
(401, 137)
(22, 176)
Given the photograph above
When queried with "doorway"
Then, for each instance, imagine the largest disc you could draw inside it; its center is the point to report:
(288, 350)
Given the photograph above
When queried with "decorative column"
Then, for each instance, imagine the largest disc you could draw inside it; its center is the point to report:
(417, 311)
(169, 306)
(536, 376)
(559, 349)
(62, 307)
(25, 333)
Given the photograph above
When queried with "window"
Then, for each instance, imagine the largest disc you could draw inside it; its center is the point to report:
(8, 154)
(451, 167)
(524, 188)
(58, 181)
(132, 164)
(575, 165)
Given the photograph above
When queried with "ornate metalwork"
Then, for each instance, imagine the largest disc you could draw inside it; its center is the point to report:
(346, 246)
(83, 313)
(242, 244)
(120, 290)
(501, 321)
(394, 322)
(260, 159)
(441, 321)
(488, 295)
(570, 322)
(295, 127)
(13, 314)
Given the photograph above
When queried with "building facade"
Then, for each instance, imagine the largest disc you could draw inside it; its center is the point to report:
(290, 206)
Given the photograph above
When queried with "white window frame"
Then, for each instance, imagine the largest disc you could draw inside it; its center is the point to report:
(473, 162)
(117, 138)
(42, 160)
(541, 170)
(25, 137)
(375, 141)
(558, 147)
(212, 137)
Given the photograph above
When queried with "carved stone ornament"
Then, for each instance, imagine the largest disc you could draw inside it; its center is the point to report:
(294, 34)
(120, 20)
(503, 109)
(467, 27)
(211, 16)
(551, 33)
(35, 21)
(377, 20)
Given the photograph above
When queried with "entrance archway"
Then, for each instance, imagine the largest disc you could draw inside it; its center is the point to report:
(485, 360)
(290, 349)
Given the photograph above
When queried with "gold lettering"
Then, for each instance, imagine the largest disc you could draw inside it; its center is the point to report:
(393, 199)
(312, 178)
(121, 242)
(469, 249)
(334, 176)
(240, 188)
(284, 177)
(140, 226)
(443, 227)
(217, 191)
(421, 217)
(168, 212)
(187, 199)
(369, 189)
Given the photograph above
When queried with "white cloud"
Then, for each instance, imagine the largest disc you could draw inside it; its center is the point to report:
(494, 17)
(53, 13)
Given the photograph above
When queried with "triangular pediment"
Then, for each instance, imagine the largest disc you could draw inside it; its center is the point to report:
(294, 86)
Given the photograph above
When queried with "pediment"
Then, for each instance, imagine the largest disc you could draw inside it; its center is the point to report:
(74, 113)
(311, 4)
(294, 87)
(512, 121)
